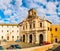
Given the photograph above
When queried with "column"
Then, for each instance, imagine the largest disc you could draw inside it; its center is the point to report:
(37, 38)
(27, 38)
(45, 36)
(34, 38)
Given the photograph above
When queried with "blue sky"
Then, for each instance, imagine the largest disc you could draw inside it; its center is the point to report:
(14, 11)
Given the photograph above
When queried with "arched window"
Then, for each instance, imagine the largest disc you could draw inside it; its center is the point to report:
(33, 25)
(2, 30)
(40, 24)
(48, 28)
(7, 37)
(55, 29)
(2, 37)
(12, 36)
(12, 30)
(30, 26)
(17, 37)
(7, 30)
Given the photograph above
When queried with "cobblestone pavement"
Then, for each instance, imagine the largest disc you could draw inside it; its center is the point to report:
(28, 45)
(22, 44)
(36, 48)
(54, 47)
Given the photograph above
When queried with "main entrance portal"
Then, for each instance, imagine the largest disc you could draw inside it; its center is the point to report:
(40, 39)
(23, 38)
(30, 37)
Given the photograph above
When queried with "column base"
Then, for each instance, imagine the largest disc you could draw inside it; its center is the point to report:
(36, 42)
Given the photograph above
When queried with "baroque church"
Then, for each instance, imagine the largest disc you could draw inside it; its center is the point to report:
(33, 29)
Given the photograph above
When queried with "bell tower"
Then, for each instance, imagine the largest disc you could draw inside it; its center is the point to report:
(32, 13)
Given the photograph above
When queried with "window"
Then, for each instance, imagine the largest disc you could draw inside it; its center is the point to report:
(12, 36)
(40, 24)
(48, 28)
(12, 30)
(51, 35)
(30, 26)
(2, 37)
(17, 37)
(55, 29)
(2, 30)
(33, 25)
(7, 37)
(7, 30)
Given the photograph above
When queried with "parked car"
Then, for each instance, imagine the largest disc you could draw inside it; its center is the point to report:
(14, 46)
(4, 40)
(17, 41)
(1, 48)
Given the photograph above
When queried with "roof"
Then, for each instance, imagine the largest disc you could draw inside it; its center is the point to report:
(32, 9)
(8, 24)
(49, 21)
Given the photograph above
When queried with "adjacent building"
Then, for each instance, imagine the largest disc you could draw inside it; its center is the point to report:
(33, 29)
(9, 32)
(55, 32)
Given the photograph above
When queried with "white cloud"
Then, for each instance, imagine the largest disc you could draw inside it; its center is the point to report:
(51, 6)
(1, 21)
(33, 5)
(8, 12)
(54, 19)
(41, 1)
(20, 12)
(19, 2)
(4, 4)
(41, 10)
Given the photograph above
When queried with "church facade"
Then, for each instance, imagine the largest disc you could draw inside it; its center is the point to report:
(33, 29)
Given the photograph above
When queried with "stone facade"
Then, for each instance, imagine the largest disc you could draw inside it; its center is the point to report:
(55, 32)
(33, 29)
(9, 32)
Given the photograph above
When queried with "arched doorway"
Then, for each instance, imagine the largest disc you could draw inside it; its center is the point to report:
(56, 40)
(40, 39)
(30, 37)
(23, 38)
